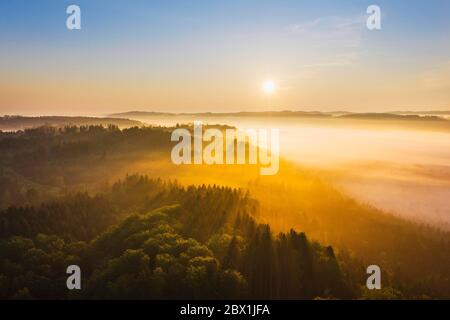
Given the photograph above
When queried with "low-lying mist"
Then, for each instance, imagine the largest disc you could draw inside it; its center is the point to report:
(400, 169)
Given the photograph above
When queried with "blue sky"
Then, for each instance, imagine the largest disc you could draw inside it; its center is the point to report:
(203, 55)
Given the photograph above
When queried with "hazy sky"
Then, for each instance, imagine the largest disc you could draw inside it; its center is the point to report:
(209, 55)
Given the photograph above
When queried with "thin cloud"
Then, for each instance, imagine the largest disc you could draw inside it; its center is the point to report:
(304, 27)
(346, 30)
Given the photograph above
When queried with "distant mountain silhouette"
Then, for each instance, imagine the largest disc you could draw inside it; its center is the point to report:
(406, 115)
(286, 113)
(392, 116)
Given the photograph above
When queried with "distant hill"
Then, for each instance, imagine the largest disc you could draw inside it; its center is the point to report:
(436, 112)
(10, 123)
(392, 116)
(406, 115)
(133, 114)
(140, 114)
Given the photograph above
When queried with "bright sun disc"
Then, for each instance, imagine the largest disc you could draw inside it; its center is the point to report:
(268, 86)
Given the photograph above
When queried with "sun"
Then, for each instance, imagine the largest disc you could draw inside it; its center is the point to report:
(268, 86)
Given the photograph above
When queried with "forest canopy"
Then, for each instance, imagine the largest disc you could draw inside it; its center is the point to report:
(191, 232)
(201, 242)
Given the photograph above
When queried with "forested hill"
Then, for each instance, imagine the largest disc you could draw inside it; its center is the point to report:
(146, 239)
(37, 164)
(58, 182)
(12, 123)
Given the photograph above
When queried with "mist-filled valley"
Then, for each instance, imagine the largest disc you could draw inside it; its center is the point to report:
(402, 167)
(112, 201)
